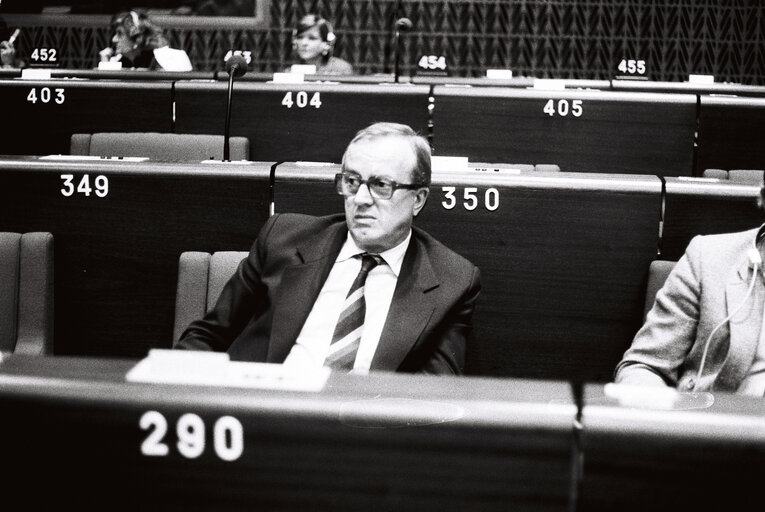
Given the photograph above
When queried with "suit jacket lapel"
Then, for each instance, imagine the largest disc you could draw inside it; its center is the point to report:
(410, 309)
(744, 326)
(300, 285)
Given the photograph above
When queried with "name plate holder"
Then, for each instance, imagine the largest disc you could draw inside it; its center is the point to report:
(202, 368)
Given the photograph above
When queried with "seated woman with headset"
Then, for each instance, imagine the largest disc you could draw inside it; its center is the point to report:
(705, 330)
(138, 43)
(313, 41)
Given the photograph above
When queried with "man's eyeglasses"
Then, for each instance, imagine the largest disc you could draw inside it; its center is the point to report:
(348, 183)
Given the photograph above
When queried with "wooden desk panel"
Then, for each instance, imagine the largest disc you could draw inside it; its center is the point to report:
(563, 258)
(631, 133)
(377, 442)
(45, 126)
(704, 207)
(694, 457)
(731, 133)
(300, 131)
(116, 257)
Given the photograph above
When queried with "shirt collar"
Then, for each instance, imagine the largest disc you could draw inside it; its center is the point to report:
(394, 257)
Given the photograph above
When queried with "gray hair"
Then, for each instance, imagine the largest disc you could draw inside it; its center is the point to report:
(419, 144)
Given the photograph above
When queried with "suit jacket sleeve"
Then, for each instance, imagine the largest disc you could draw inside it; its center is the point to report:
(243, 296)
(453, 333)
(661, 346)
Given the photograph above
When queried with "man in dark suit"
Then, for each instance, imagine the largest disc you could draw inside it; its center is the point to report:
(359, 292)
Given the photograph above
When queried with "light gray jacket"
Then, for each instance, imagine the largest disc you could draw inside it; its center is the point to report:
(708, 283)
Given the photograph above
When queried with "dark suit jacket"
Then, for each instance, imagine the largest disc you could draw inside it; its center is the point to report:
(264, 305)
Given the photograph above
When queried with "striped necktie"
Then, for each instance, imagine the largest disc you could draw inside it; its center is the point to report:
(350, 324)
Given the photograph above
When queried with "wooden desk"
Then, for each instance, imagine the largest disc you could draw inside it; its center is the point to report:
(40, 116)
(690, 458)
(563, 257)
(731, 133)
(701, 206)
(308, 121)
(116, 257)
(581, 131)
(378, 442)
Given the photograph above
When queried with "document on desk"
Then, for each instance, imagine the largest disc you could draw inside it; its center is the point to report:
(163, 366)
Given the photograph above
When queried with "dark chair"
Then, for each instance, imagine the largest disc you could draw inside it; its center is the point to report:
(26, 301)
(657, 274)
(172, 147)
(201, 277)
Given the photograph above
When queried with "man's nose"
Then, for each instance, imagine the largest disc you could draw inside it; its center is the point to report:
(363, 195)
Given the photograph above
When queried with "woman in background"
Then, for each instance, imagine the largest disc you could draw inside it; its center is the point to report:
(139, 43)
(313, 41)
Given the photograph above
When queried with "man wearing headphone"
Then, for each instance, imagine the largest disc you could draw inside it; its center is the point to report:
(705, 330)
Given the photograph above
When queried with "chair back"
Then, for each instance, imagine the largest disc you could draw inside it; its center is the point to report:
(720, 174)
(748, 176)
(26, 301)
(201, 278)
(657, 274)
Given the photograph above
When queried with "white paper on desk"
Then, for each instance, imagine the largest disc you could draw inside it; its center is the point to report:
(449, 163)
(163, 366)
(288, 78)
(35, 74)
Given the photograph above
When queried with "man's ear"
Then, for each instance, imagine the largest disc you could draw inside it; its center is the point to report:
(420, 198)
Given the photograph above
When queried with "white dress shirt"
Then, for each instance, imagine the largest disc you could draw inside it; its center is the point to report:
(310, 349)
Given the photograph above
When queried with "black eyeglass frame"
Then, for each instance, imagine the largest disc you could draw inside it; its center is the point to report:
(394, 184)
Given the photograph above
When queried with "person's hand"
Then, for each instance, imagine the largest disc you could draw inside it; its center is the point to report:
(106, 54)
(7, 54)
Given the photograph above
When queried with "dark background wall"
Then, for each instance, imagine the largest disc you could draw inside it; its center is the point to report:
(545, 39)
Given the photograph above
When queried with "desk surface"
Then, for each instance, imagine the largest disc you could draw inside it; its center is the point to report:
(383, 442)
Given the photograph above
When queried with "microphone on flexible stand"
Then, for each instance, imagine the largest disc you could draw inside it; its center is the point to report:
(236, 66)
(402, 25)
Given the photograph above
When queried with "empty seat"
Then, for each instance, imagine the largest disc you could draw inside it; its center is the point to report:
(26, 301)
(657, 274)
(201, 277)
(171, 147)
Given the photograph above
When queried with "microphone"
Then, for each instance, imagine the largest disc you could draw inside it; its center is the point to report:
(404, 24)
(401, 25)
(236, 66)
